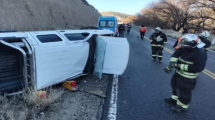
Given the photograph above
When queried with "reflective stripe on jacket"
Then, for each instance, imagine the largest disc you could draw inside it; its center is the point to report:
(158, 43)
(190, 61)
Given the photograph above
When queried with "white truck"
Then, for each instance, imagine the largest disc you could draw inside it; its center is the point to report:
(40, 59)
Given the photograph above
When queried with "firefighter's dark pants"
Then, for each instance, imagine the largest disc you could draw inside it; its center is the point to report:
(121, 33)
(157, 52)
(182, 87)
(128, 31)
(142, 34)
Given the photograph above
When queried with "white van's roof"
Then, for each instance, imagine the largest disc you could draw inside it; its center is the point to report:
(98, 32)
(23, 34)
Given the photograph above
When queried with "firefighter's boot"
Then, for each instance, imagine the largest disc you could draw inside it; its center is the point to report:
(178, 109)
(170, 101)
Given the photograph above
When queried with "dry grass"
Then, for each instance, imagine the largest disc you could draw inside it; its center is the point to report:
(168, 32)
(12, 109)
(27, 105)
(32, 99)
(171, 33)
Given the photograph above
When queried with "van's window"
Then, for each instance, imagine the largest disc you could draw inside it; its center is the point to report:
(76, 36)
(49, 38)
(111, 24)
(102, 23)
(107, 24)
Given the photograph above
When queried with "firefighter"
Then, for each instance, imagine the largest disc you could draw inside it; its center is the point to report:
(203, 36)
(188, 60)
(124, 26)
(175, 46)
(185, 31)
(128, 28)
(158, 41)
(121, 30)
(142, 31)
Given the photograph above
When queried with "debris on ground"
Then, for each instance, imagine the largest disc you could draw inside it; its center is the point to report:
(96, 92)
(70, 85)
(57, 103)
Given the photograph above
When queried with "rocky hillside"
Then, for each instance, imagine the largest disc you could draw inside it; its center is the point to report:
(26, 15)
(120, 16)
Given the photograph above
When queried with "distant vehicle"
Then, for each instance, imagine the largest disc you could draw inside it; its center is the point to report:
(40, 59)
(108, 22)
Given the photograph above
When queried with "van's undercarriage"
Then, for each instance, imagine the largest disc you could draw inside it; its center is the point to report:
(11, 70)
(14, 65)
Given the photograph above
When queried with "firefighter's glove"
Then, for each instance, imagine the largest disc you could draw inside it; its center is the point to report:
(173, 65)
(168, 69)
(151, 38)
(162, 46)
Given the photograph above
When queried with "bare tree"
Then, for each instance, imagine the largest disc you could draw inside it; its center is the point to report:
(195, 15)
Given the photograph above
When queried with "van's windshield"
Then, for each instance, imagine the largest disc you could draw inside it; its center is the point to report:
(102, 23)
(106, 24)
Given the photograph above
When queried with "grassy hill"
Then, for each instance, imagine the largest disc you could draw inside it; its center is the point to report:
(122, 17)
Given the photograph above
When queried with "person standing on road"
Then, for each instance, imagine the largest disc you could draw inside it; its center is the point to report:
(175, 46)
(185, 31)
(142, 31)
(128, 28)
(158, 41)
(124, 26)
(121, 30)
(189, 60)
(203, 36)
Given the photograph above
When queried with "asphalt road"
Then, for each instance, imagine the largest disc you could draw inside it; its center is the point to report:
(144, 85)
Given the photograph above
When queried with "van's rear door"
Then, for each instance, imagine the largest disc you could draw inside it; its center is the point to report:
(112, 55)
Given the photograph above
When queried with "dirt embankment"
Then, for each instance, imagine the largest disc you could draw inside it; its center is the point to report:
(24, 15)
(60, 104)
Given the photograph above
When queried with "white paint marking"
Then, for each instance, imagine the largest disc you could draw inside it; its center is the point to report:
(113, 99)
(212, 51)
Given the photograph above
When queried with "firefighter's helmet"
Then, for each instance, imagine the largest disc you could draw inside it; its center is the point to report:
(205, 34)
(157, 29)
(191, 40)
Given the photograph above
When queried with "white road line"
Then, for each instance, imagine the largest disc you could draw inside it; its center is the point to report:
(212, 51)
(113, 99)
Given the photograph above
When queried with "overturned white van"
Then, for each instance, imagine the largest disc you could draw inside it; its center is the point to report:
(44, 58)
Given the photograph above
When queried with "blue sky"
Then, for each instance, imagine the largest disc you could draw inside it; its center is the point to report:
(124, 6)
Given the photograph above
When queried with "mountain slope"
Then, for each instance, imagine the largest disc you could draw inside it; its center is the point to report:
(46, 14)
(122, 17)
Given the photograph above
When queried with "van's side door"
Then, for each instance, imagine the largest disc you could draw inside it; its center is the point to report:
(57, 59)
(80, 37)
